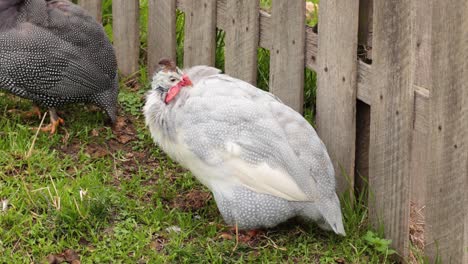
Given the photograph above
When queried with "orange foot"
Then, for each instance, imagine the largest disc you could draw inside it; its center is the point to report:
(54, 124)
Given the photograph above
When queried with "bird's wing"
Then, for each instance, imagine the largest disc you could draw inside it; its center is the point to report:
(310, 150)
(243, 138)
(39, 62)
(76, 26)
(262, 177)
(299, 134)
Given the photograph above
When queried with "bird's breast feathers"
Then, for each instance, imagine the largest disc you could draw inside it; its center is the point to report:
(233, 171)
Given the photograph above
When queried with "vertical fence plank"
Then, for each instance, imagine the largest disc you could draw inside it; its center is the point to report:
(125, 14)
(337, 84)
(94, 7)
(421, 45)
(242, 33)
(200, 32)
(287, 53)
(446, 209)
(465, 128)
(391, 121)
(162, 41)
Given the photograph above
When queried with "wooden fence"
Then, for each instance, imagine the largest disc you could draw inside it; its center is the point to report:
(401, 120)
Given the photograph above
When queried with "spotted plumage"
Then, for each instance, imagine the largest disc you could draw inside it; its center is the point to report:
(262, 160)
(54, 53)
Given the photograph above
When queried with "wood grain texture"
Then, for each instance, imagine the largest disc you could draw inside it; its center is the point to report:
(447, 182)
(242, 39)
(94, 7)
(421, 44)
(162, 41)
(391, 121)
(266, 34)
(126, 30)
(200, 33)
(364, 88)
(311, 49)
(287, 53)
(465, 128)
(337, 85)
(420, 145)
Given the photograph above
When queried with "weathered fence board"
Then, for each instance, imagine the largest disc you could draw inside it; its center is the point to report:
(447, 182)
(94, 7)
(162, 41)
(464, 129)
(242, 39)
(391, 121)
(266, 41)
(200, 32)
(287, 53)
(421, 44)
(126, 34)
(337, 85)
(311, 49)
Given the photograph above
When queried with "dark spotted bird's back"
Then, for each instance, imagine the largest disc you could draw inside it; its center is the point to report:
(53, 53)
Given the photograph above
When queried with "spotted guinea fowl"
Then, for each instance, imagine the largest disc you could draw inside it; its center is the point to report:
(54, 53)
(262, 160)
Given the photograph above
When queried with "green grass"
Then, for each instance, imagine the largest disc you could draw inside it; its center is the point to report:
(135, 195)
(132, 199)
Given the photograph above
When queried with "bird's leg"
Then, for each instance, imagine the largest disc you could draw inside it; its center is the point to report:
(55, 121)
(237, 237)
(35, 111)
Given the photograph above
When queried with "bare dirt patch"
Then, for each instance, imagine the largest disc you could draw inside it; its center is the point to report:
(191, 201)
(68, 256)
(124, 130)
(97, 151)
(98, 147)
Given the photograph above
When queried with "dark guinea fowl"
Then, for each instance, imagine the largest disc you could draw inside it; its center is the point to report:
(54, 53)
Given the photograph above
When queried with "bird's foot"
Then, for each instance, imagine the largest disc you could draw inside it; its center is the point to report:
(241, 236)
(52, 127)
(35, 111)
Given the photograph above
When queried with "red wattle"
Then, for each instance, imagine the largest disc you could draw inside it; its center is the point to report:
(174, 90)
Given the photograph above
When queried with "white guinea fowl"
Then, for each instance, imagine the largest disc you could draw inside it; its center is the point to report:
(262, 160)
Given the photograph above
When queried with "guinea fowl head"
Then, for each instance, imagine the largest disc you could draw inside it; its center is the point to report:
(169, 80)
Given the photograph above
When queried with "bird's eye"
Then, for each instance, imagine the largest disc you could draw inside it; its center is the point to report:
(172, 79)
